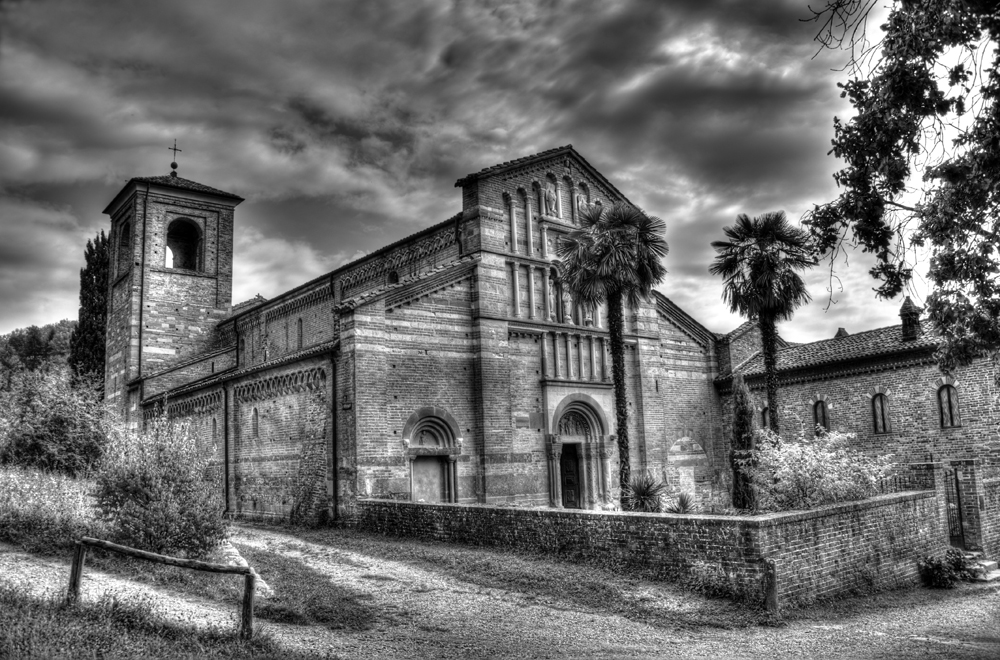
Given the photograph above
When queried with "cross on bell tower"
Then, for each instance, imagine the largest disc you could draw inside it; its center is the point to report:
(173, 164)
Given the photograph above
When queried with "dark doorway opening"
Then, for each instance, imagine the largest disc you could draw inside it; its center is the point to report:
(569, 464)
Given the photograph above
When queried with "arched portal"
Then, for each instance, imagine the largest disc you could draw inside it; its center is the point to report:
(432, 445)
(579, 454)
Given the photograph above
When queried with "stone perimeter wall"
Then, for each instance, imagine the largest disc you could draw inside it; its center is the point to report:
(831, 551)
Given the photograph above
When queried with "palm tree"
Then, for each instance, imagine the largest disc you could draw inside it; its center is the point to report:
(615, 257)
(759, 264)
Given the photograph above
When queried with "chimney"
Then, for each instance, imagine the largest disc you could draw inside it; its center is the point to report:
(841, 333)
(910, 314)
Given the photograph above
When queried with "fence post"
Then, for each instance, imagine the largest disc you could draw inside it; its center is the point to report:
(771, 599)
(76, 573)
(249, 590)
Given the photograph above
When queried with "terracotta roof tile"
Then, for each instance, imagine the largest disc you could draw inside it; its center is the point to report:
(870, 343)
(183, 184)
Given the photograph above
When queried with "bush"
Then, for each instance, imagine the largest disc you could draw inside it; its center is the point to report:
(810, 472)
(944, 572)
(45, 512)
(684, 504)
(48, 424)
(154, 492)
(645, 493)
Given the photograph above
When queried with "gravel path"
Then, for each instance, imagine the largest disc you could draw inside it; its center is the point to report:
(420, 611)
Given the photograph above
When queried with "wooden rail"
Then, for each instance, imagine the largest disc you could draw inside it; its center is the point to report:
(249, 575)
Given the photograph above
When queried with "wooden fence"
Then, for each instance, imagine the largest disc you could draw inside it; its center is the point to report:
(249, 575)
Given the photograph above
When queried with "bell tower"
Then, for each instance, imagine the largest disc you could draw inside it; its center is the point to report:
(171, 278)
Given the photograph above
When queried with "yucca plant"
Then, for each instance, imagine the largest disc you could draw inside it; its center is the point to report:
(685, 504)
(645, 493)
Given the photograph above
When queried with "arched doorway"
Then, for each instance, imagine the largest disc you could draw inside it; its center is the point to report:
(432, 444)
(579, 455)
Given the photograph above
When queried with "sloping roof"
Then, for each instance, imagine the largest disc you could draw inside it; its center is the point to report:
(870, 343)
(668, 308)
(541, 155)
(183, 184)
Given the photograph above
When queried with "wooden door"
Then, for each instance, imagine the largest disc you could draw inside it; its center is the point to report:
(569, 471)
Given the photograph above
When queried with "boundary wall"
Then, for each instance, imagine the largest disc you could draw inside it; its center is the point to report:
(785, 559)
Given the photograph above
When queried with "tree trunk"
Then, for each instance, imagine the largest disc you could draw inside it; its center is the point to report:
(769, 341)
(616, 333)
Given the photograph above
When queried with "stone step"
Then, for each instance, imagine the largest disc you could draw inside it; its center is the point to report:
(987, 565)
(990, 576)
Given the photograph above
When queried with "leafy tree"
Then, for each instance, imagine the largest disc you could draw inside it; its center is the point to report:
(615, 256)
(86, 357)
(927, 129)
(758, 264)
(742, 443)
(45, 423)
(30, 348)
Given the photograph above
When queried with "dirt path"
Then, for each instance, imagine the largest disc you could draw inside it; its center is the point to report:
(427, 609)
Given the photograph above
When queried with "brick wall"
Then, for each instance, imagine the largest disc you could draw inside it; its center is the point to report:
(831, 551)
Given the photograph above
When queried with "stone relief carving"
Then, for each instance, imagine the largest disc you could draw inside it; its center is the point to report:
(552, 299)
(573, 423)
(567, 308)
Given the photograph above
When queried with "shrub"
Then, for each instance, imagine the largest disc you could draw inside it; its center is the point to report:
(154, 491)
(48, 424)
(809, 472)
(944, 572)
(684, 504)
(645, 493)
(45, 512)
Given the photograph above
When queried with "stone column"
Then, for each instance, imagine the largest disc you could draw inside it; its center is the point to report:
(527, 222)
(452, 479)
(555, 352)
(409, 460)
(516, 269)
(546, 293)
(604, 360)
(569, 356)
(513, 226)
(531, 249)
(531, 291)
(545, 242)
(559, 210)
(593, 364)
(572, 205)
(555, 476)
(545, 355)
(606, 467)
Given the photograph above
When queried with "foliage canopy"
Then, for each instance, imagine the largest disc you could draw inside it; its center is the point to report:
(922, 158)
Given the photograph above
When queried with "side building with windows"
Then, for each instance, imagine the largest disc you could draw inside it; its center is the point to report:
(884, 386)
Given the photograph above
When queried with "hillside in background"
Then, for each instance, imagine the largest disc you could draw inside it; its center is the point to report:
(34, 346)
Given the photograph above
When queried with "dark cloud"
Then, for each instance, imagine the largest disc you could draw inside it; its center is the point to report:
(346, 124)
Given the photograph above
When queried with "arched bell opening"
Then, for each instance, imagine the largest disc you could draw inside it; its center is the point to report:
(184, 245)
(431, 444)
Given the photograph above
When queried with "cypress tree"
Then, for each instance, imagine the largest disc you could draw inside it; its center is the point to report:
(742, 443)
(86, 356)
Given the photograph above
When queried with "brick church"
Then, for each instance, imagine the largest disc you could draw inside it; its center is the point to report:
(452, 366)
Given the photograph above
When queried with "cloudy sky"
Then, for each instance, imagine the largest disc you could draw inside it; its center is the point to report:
(346, 124)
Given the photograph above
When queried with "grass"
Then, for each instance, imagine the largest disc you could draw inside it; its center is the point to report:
(115, 628)
(44, 512)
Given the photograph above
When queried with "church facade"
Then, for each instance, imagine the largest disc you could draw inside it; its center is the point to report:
(450, 366)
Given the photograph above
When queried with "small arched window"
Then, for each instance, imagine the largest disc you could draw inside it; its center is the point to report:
(820, 417)
(254, 424)
(765, 418)
(948, 406)
(880, 414)
(394, 277)
(215, 432)
(183, 245)
(287, 345)
(124, 247)
(298, 333)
